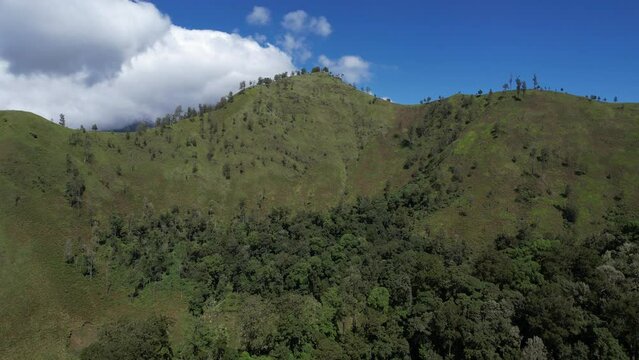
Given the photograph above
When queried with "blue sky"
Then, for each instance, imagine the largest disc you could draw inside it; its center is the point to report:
(430, 48)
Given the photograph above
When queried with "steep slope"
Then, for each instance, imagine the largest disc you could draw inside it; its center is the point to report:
(545, 162)
(553, 163)
(295, 143)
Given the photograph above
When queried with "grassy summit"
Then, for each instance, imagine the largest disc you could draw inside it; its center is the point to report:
(547, 163)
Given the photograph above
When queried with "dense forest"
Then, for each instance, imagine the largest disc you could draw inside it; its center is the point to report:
(358, 283)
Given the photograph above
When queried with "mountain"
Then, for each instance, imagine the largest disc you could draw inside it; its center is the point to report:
(465, 171)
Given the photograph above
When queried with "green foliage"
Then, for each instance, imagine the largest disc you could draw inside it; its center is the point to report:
(226, 171)
(379, 298)
(132, 339)
(207, 342)
(75, 186)
(423, 229)
(303, 282)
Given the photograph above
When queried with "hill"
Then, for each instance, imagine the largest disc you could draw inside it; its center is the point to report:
(466, 170)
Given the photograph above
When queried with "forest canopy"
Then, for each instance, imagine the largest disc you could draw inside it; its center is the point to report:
(356, 282)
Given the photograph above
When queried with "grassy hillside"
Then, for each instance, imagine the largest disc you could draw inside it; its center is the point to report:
(548, 162)
(296, 143)
(556, 162)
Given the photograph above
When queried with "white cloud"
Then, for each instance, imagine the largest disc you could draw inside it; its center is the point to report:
(299, 22)
(295, 20)
(259, 16)
(298, 25)
(152, 73)
(64, 36)
(354, 68)
(320, 26)
(295, 47)
(260, 38)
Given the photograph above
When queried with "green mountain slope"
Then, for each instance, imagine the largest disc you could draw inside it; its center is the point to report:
(534, 161)
(547, 162)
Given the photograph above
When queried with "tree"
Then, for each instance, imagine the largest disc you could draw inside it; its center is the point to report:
(505, 86)
(534, 350)
(132, 340)
(220, 104)
(226, 171)
(518, 82)
(62, 121)
(177, 114)
(315, 69)
(88, 260)
(379, 298)
(94, 127)
(523, 87)
(206, 343)
(615, 99)
(535, 82)
(75, 189)
(242, 85)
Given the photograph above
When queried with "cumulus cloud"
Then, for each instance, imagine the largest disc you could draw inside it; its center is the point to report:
(259, 16)
(299, 22)
(299, 25)
(61, 37)
(320, 26)
(354, 68)
(295, 20)
(150, 67)
(295, 47)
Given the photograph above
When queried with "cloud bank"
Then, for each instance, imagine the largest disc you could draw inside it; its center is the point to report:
(113, 61)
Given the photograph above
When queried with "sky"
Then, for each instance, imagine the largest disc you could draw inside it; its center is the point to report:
(111, 62)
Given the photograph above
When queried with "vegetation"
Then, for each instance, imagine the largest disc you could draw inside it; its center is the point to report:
(127, 339)
(356, 283)
(302, 218)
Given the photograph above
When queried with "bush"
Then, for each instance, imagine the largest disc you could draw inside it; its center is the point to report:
(132, 339)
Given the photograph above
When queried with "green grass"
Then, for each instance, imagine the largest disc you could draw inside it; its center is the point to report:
(307, 143)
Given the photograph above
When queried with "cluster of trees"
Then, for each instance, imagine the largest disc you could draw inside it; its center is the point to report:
(598, 98)
(520, 84)
(132, 340)
(520, 87)
(75, 187)
(179, 114)
(358, 282)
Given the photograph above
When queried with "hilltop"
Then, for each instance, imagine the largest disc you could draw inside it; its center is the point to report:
(467, 170)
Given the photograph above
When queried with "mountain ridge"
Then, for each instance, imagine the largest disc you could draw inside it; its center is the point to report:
(493, 164)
